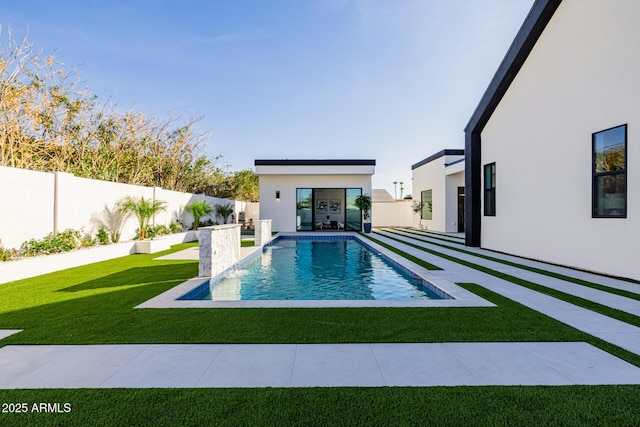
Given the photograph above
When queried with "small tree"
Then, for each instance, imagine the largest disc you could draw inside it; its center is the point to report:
(416, 206)
(363, 202)
(224, 211)
(198, 209)
(112, 220)
(143, 210)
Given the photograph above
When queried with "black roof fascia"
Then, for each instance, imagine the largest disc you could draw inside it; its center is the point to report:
(446, 152)
(310, 162)
(534, 24)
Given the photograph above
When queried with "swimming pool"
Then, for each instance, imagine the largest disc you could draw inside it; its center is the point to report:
(317, 268)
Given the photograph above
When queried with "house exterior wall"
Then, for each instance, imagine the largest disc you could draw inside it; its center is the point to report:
(581, 77)
(444, 184)
(288, 178)
(283, 212)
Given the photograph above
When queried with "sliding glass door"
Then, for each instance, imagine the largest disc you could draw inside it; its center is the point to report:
(304, 214)
(353, 213)
(326, 209)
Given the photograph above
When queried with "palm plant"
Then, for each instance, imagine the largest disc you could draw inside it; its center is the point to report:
(112, 220)
(224, 211)
(198, 209)
(143, 210)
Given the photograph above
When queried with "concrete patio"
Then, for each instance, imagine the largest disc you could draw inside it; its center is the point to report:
(336, 365)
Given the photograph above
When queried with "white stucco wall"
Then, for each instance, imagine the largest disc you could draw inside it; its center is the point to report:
(286, 179)
(33, 203)
(580, 78)
(444, 183)
(392, 214)
(26, 205)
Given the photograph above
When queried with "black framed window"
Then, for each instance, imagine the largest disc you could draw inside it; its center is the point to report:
(426, 197)
(610, 173)
(490, 189)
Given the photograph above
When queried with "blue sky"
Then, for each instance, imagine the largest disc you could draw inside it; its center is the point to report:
(391, 80)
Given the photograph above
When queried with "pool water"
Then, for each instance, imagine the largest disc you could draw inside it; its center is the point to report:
(303, 269)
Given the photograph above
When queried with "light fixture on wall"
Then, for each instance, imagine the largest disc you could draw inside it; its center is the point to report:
(278, 196)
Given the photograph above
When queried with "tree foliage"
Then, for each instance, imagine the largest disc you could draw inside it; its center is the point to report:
(144, 210)
(198, 209)
(224, 211)
(50, 122)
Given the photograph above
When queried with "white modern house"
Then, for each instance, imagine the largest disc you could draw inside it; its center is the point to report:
(552, 153)
(438, 184)
(313, 195)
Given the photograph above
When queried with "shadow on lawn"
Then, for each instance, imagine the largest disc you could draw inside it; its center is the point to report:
(137, 276)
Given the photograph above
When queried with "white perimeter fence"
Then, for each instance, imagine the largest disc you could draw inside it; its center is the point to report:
(34, 204)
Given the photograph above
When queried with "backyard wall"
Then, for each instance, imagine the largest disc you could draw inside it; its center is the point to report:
(392, 214)
(34, 204)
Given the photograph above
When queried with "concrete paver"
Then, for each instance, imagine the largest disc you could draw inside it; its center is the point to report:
(310, 365)
(380, 364)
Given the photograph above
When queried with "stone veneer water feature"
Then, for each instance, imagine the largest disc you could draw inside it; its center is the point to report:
(219, 248)
(263, 232)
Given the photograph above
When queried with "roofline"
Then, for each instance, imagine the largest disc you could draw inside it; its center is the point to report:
(310, 162)
(533, 26)
(445, 152)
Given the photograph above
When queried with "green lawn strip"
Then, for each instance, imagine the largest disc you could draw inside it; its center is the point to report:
(338, 406)
(410, 257)
(574, 280)
(109, 318)
(94, 304)
(602, 309)
(429, 235)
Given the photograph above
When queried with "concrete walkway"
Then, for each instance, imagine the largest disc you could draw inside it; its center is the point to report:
(611, 330)
(312, 365)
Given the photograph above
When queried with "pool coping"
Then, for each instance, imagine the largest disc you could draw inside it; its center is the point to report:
(460, 296)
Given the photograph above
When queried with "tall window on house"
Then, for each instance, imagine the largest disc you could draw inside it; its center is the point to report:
(490, 189)
(610, 173)
(427, 204)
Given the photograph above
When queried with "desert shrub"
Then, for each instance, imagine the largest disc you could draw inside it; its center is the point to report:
(111, 220)
(5, 254)
(102, 236)
(157, 230)
(208, 223)
(64, 241)
(176, 227)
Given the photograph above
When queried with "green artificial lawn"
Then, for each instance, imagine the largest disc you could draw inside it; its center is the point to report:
(93, 304)
(581, 302)
(389, 406)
